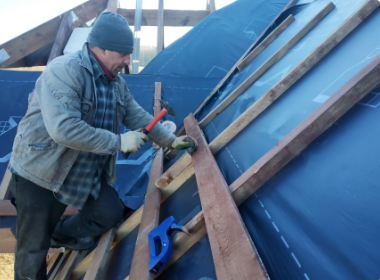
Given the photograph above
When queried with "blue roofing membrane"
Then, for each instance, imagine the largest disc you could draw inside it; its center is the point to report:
(318, 218)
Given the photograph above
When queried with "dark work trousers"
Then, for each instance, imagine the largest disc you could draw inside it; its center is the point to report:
(39, 219)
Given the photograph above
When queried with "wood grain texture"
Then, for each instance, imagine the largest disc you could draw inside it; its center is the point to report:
(269, 39)
(62, 37)
(181, 130)
(313, 126)
(97, 267)
(232, 248)
(171, 17)
(7, 209)
(266, 65)
(294, 75)
(72, 260)
(149, 220)
(181, 164)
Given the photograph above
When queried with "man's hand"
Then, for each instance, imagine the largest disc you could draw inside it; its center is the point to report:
(132, 141)
(184, 142)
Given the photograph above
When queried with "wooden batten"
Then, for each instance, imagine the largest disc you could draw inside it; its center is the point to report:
(267, 64)
(232, 248)
(160, 26)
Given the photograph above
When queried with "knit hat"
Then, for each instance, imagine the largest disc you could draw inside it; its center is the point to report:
(111, 32)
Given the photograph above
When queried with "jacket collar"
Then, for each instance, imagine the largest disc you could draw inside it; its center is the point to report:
(85, 61)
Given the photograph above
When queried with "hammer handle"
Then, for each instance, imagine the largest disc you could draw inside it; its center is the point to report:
(156, 119)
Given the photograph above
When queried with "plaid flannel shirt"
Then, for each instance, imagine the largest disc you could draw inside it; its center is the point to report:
(84, 178)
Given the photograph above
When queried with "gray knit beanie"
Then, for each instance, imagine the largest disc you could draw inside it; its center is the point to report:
(111, 32)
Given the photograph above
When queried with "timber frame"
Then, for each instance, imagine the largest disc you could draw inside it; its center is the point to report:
(209, 221)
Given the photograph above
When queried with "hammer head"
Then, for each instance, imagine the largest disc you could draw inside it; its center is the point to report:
(166, 106)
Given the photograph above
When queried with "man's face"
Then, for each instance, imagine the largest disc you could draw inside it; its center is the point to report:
(115, 61)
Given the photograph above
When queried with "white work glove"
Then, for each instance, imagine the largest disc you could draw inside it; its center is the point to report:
(184, 142)
(132, 141)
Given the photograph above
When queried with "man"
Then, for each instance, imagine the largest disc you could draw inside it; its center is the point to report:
(65, 149)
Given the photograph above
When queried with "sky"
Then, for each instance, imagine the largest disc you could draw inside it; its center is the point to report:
(19, 16)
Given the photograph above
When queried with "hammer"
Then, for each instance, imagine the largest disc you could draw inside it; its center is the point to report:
(166, 109)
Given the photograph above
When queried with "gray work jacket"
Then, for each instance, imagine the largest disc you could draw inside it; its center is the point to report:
(57, 125)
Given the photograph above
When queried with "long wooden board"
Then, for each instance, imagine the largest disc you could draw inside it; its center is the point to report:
(150, 220)
(232, 248)
(288, 148)
(267, 64)
(181, 130)
(97, 267)
(288, 80)
(266, 42)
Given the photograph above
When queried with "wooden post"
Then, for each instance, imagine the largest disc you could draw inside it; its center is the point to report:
(160, 26)
(266, 65)
(97, 268)
(62, 37)
(232, 247)
(150, 220)
(113, 5)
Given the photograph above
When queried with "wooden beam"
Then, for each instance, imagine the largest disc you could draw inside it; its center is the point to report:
(113, 5)
(232, 248)
(30, 41)
(266, 65)
(149, 220)
(61, 39)
(160, 26)
(59, 266)
(289, 79)
(288, 148)
(97, 267)
(171, 17)
(181, 130)
(265, 43)
(7, 209)
(68, 267)
(86, 12)
(52, 262)
(157, 104)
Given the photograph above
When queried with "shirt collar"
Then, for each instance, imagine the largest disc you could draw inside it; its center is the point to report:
(99, 67)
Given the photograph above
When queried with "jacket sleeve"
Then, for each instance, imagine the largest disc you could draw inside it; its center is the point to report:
(59, 94)
(136, 117)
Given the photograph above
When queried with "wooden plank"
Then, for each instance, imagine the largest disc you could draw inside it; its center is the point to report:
(30, 41)
(86, 12)
(61, 262)
(171, 17)
(113, 5)
(313, 126)
(98, 264)
(266, 65)
(71, 262)
(160, 26)
(182, 163)
(7, 209)
(232, 248)
(61, 39)
(287, 81)
(269, 39)
(294, 75)
(149, 220)
(157, 104)
(181, 130)
(52, 262)
(289, 147)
